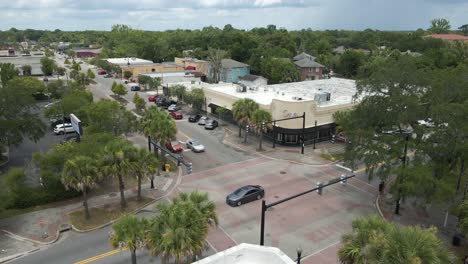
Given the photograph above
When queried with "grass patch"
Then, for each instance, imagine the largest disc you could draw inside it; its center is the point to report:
(100, 216)
(332, 157)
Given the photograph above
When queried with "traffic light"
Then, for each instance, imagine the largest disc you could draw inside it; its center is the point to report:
(343, 180)
(247, 128)
(189, 168)
(320, 188)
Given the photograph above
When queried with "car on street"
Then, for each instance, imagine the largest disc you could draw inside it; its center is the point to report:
(108, 75)
(174, 146)
(63, 129)
(173, 108)
(135, 88)
(194, 118)
(195, 145)
(202, 120)
(152, 98)
(72, 138)
(245, 194)
(176, 115)
(101, 72)
(211, 124)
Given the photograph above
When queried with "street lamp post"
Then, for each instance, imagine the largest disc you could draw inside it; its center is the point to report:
(303, 133)
(299, 254)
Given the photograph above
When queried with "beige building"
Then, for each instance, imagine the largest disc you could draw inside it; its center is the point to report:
(193, 64)
(318, 99)
(138, 66)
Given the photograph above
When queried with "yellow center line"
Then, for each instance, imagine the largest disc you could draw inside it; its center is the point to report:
(100, 256)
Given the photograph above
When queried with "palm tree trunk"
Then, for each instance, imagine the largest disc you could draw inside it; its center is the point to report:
(85, 203)
(139, 187)
(123, 203)
(133, 253)
(240, 129)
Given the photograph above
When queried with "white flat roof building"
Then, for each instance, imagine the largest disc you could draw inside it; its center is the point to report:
(126, 61)
(248, 254)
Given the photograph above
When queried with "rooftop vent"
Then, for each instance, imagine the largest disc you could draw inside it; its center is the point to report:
(322, 97)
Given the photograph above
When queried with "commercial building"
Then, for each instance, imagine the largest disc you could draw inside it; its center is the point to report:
(246, 254)
(33, 59)
(168, 78)
(308, 68)
(138, 66)
(318, 99)
(87, 53)
(193, 64)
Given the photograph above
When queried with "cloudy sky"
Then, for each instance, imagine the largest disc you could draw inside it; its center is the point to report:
(246, 14)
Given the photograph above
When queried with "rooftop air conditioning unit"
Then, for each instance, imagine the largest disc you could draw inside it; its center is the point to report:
(294, 97)
(321, 97)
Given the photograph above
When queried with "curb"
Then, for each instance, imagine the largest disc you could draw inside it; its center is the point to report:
(179, 178)
(15, 256)
(21, 238)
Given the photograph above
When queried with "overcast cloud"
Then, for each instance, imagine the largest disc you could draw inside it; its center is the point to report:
(246, 14)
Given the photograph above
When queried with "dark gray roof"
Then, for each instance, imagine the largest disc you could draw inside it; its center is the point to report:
(308, 63)
(302, 56)
(230, 63)
(250, 77)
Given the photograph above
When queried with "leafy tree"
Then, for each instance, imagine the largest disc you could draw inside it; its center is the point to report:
(110, 116)
(7, 72)
(75, 102)
(373, 240)
(60, 71)
(464, 29)
(118, 89)
(158, 125)
(439, 26)
(48, 53)
(154, 84)
(243, 110)
(139, 102)
(178, 232)
(75, 66)
(349, 63)
(129, 231)
(179, 91)
(26, 70)
(196, 97)
(279, 70)
(144, 163)
(116, 163)
(90, 74)
(144, 80)
(215, 56)
(127, 74)
(66, 61)
(47, 66)
(81, 174)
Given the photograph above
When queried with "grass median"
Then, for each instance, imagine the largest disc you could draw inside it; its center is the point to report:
(105, 214)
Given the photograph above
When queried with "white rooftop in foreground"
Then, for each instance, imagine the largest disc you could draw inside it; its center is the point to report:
(126, 61)
(341, 90)
(248, 254)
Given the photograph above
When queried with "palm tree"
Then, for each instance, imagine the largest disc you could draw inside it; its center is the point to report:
(129, 231)
(202, 203)
(143, 163)
(116, 163)
(178, 232)
(373, 240)
(243, 110)
(80, 173)
(260, 117)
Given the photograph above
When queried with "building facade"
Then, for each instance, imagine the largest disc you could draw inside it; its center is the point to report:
(138, 66)
(87, 53)
(318, 99)
(308, 68)
(33, 60)
(193, 64)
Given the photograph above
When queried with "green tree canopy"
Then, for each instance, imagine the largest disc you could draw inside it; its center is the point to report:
(439, 26)
(7, 72)
(158, 125)
(109, 116)
(48, 66)
(118, 89)
(243, 110)
(196, 97)
(129, 231)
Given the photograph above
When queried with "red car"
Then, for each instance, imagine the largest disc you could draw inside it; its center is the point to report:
(176, 115)
(101, 72)
(174, 146)
(152, 98)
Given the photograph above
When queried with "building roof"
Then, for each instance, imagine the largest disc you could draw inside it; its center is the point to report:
(190, 59)
(125, 61)
(303, 55)
(448, 37)
(250, 77)
(308, 63)
(95, 51)
(339, 50)
(247, 254)
(230, 63)
(341, 90)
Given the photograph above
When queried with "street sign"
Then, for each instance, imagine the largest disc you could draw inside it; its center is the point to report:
(76, 124)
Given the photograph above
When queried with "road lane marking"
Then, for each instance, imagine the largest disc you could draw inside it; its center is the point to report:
(100, 256)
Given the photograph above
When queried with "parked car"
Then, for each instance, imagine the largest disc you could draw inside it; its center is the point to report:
(41, 96)
(245, 194)
(176, 115)
(211, 124)
(63, 128)
(164, 102)
(152, 98)
(195, 145)
(49, 105)
(108, 75)
(101, 72)
(72, 138)
(173, 108)
(135, 88)
(202, 120)
(45, 79)
(57, 121)
(194, 118)
(174, 146)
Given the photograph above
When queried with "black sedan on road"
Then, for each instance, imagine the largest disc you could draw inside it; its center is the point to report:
(245, 194)
(194, 118)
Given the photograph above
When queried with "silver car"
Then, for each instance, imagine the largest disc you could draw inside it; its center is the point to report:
(195, 145)
(202, 120)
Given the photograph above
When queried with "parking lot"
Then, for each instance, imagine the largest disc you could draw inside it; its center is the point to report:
(312, 222)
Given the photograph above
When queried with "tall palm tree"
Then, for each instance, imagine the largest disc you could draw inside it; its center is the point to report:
(129, 231)
(178, 232)
(143, 163)
(80, 173)
(243, 110)
(373, 240)
(202, 203)
(116, 163)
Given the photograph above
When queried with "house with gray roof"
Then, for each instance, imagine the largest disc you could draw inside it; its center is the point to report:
(308, 68)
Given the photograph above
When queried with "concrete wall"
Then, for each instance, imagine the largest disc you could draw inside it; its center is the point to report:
(137, 69)
(233, 74)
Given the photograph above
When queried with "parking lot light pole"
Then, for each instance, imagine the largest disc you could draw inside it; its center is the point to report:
(342, 179)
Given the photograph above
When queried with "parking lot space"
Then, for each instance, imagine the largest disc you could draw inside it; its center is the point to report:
(313, 222)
